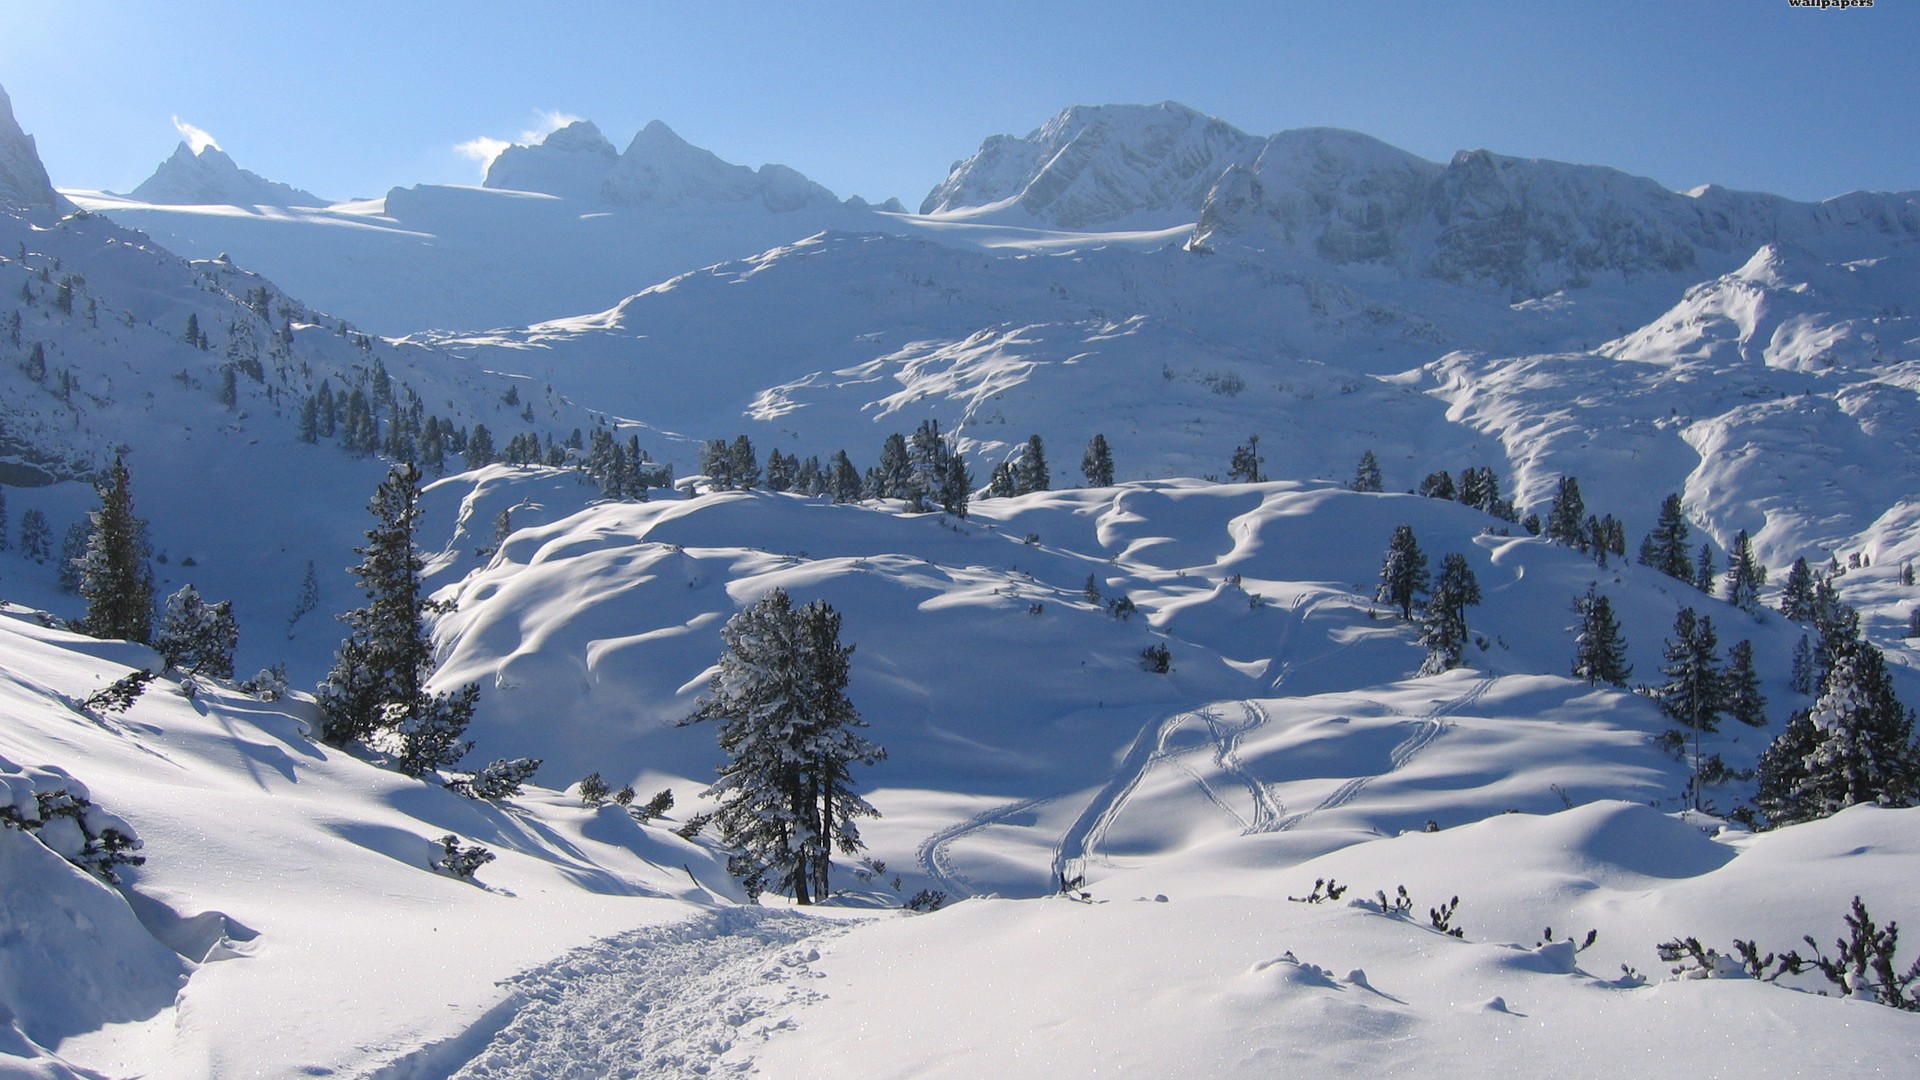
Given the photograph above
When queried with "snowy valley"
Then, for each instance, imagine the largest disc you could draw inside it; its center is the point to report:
(1172, 783)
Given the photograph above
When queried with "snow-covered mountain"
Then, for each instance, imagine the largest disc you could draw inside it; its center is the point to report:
(208, 177)
(1117, 840)
(23, 179)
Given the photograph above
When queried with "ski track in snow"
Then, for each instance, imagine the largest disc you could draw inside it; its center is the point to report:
(689, 999)
(938, 865)
(1426, 729)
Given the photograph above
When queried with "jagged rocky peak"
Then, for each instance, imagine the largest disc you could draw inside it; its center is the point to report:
(572, 162)
(660, 168)
(23, 179)
(1107, 165)
(209, 177)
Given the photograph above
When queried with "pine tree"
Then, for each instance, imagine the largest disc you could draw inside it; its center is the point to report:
(37, 362)
(377, 687)
(1566, 518)
(3, 519)
(785, 800)
(956, 484)
(1806, 668)
(1097, 464)
(927, 455)
(781, 470)
(1694, 694)
(1703, 571)
(1001, 484)
(196, 636)
(1745, 702)
(229, 388)
(192, 333)
(1855, 745)
(36, 539)
(1366, 475)
(1443, 619)
(114, 576)
(1796, 595)
(1480, 489)
(1600, 653)
(73, 548)
(894, 478)
(1745, 575)
(1031, 473)
(1437, 485)
(309, 431)
(479, 452)
(1403, 573)
(843, 480)
(744, 466)
(1244, 466)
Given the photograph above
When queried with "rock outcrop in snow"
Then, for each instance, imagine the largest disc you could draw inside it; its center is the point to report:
(210, 178)
(23, 179)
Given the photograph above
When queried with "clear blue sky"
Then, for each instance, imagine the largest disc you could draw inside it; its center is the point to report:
(352, 98)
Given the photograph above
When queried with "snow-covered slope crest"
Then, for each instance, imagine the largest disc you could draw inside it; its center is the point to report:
(23, 179)
(658, 168)
(210, 178)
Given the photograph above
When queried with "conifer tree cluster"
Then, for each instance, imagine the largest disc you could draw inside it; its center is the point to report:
(1478, 487)
(376, 692)
(792, 736)
(1443, 618)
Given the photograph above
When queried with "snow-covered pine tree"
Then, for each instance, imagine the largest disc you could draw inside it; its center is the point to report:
(1244, 466)
(1567, 517)
(1437, 485)
(1599, 652)
(956, 484)
(1745, 702)
(781, 470)
(928, 453)
(114, 577)
(1366, 475)
(1745, 575)
(1031, 473)
(716, 463)
(1694, 694)
(1855, 745)
(1097, 464)
(745, 466)
(196, 637)
(1796, 594)
(790, 735)
(1001, 484)
(1403, 573)
(377, 687)
(1443, 619)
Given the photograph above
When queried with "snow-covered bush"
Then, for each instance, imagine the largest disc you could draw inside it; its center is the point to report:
(1157, 659)
(120, 694)
(593, 790)
(926, 900)
(57, 810)
(1863, 968)
(197, 637)
(268, 684)
(458, 861)
(500, 780)
(659, 804)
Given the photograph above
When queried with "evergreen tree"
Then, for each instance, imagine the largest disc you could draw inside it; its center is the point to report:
(196, 636)
(1600, 653)
(1855, 745)
(781, 471)
(1480, 489)
(843, 480)
(785, 798)
(928, 453)
(744, 465)
(37, 362)
(1796, 595)
(309, 431)
(377, 688)
(1443, 619)
(1806, 668)
(1097, 464)
(73, 548)
(808, 479)
(479, 451)
(1031, 473)
(36, 539)
(229, 388)
(1403, 573)
(1001, 484)
(192, 333)
(1437, 485)
(1745, 702)
(1567, 517)
(114, 576)
(3, 519)
(326, 412)
(1666, 547)
(956, 485)
(1244, 467)
(1745, 575)
(1703, 570)
(1366, 475)
(1694, 694)
(894, 478)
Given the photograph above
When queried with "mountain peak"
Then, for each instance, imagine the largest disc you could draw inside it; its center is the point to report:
(572, 162)
(660, 167)
(1141, 165)
(210, 178)
(23, 179)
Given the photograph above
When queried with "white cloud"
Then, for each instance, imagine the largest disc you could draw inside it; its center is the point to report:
(550, 122)
(197, 139)
(482, 151)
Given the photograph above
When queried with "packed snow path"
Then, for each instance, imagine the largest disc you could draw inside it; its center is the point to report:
(690, 999)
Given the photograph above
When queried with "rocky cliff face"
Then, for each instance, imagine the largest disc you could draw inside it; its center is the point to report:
(23, 179)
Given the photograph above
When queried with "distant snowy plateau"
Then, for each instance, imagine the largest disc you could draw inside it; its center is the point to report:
(1145, 273)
